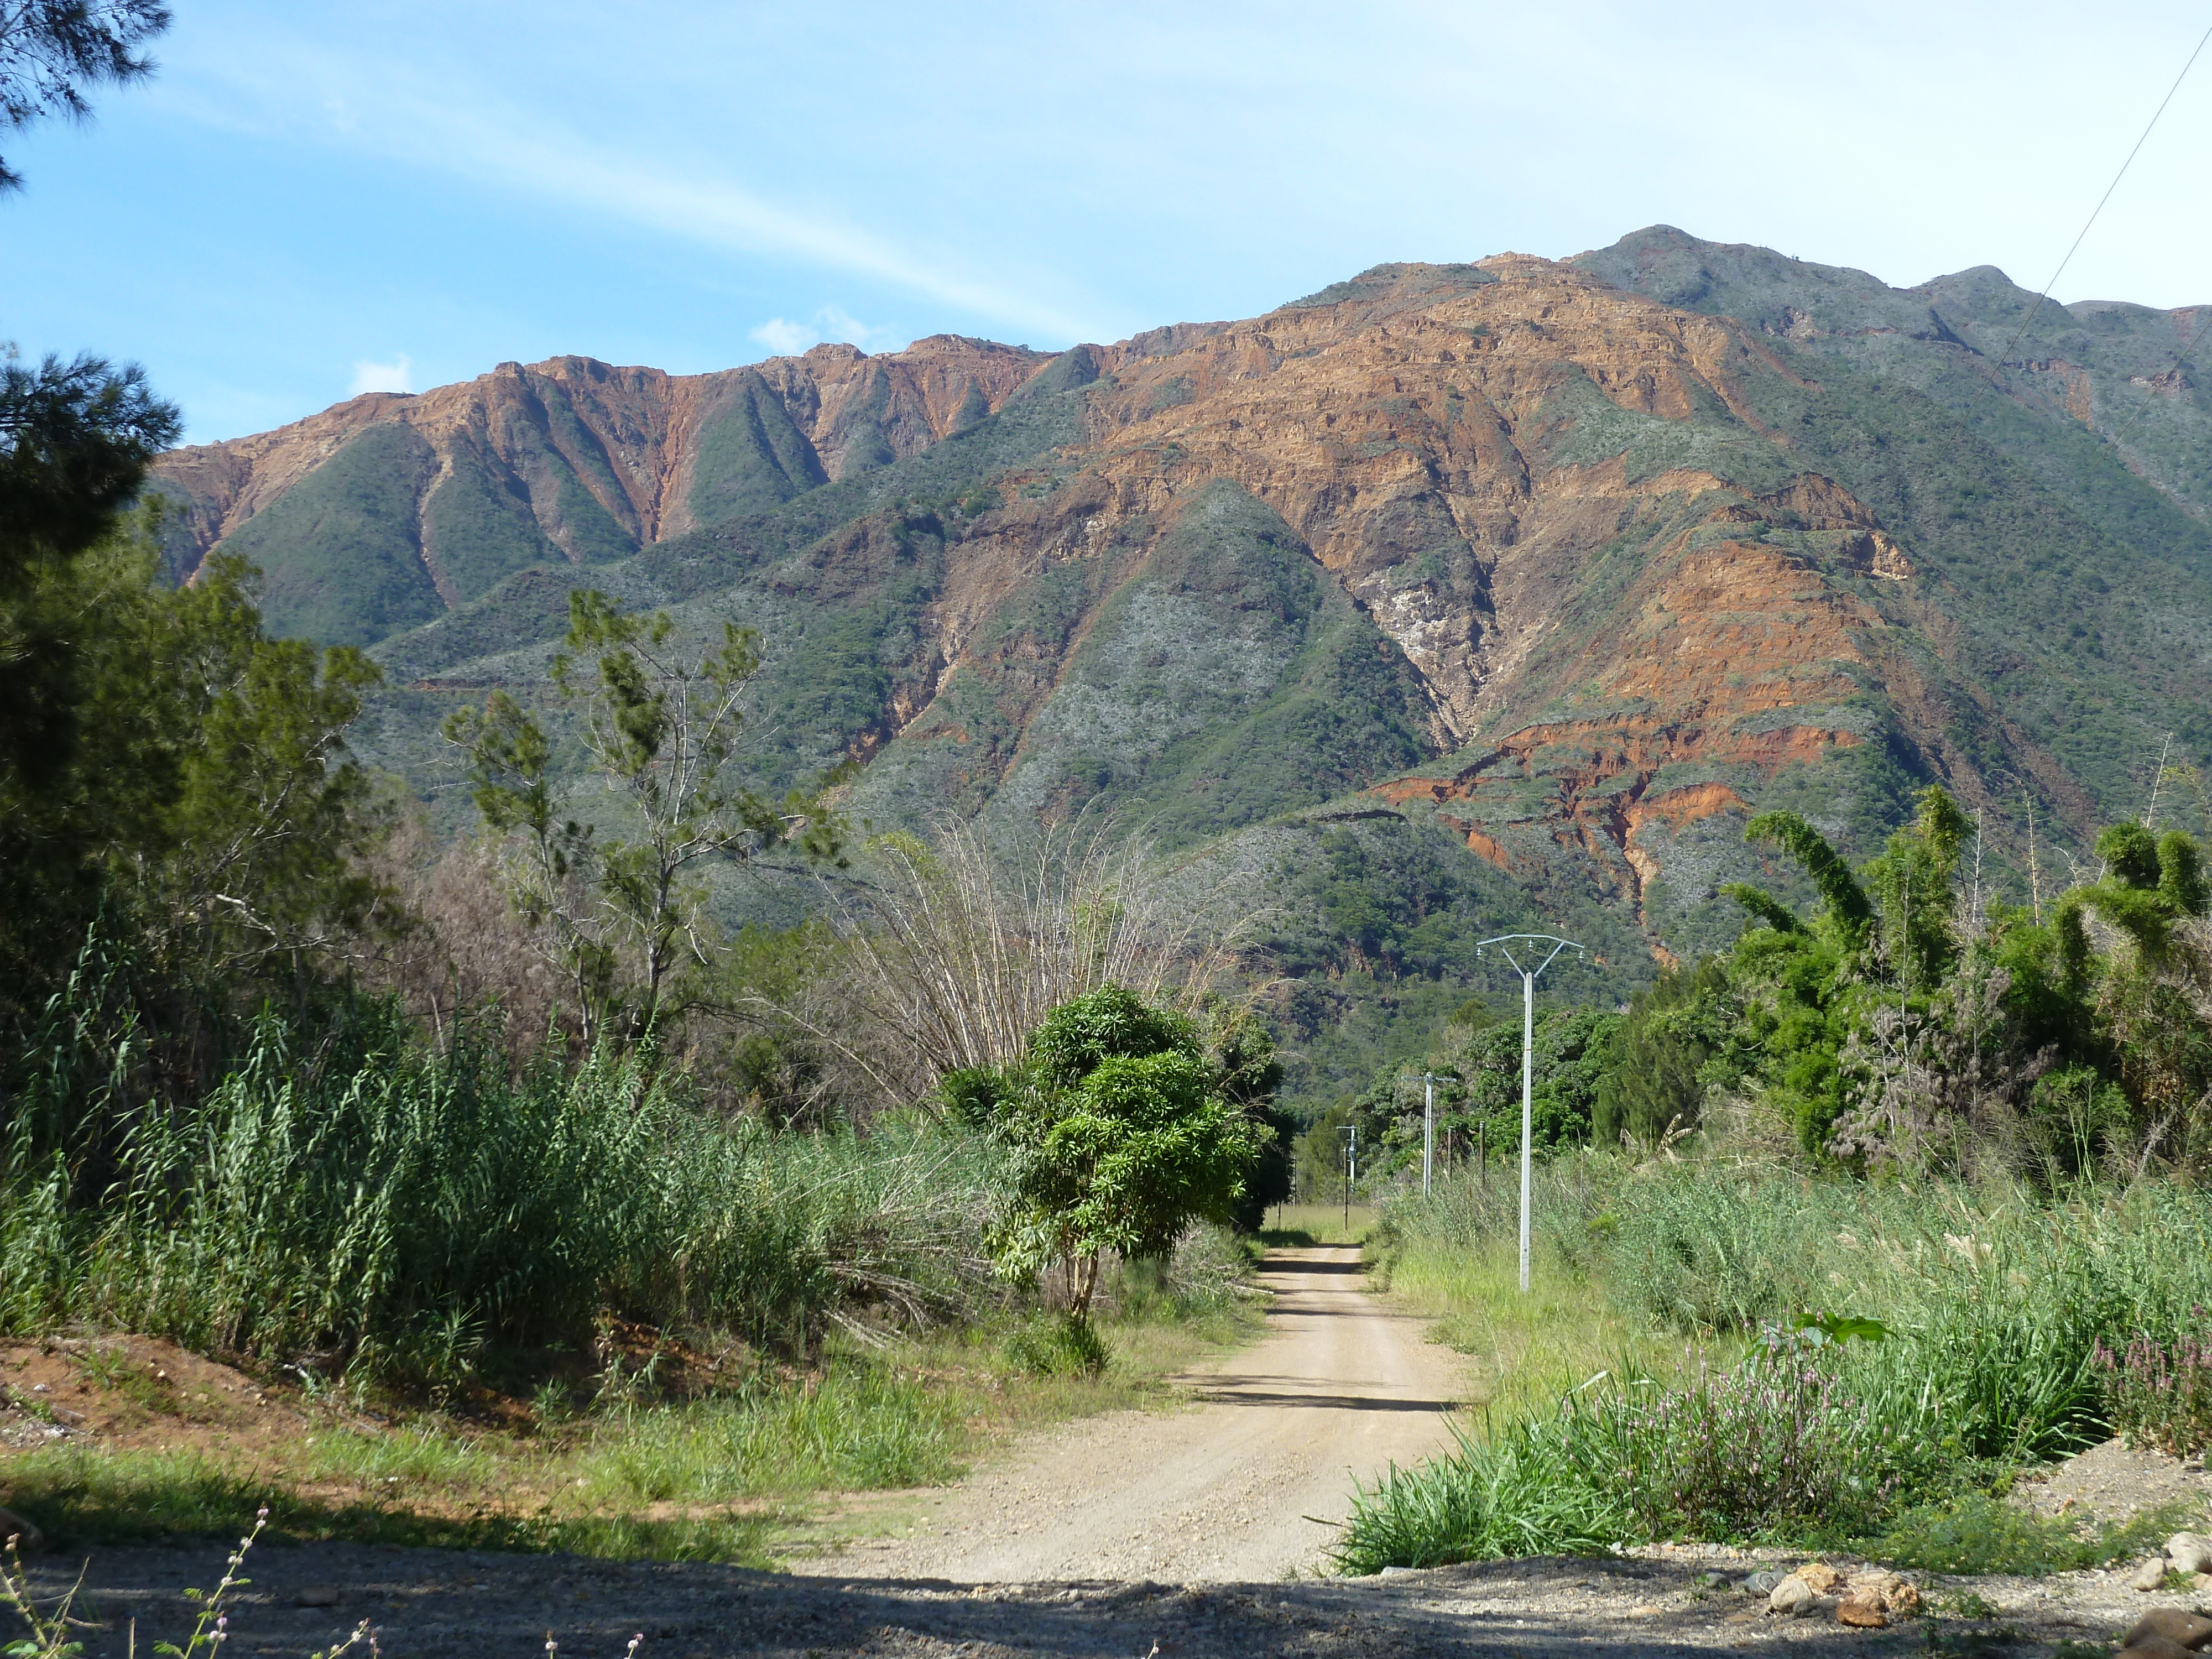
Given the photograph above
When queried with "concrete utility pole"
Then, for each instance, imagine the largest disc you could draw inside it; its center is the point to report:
(1429, 1126)
(1350, 1136)
(1504, 942)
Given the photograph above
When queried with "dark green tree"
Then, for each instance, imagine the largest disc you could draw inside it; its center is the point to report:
(51, 51)
(1124, 1132)
(1664, 1054)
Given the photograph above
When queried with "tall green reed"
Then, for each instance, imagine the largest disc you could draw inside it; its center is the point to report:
(363, 1201)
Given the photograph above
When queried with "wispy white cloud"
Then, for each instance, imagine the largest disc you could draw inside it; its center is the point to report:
(786, 338)
(398, 375)
(463, 128)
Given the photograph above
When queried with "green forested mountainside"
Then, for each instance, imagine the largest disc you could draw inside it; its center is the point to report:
(2061, 496)
(1225, 680)
(752, 457)
(338, 552)
(1444, 649)
(2105, 367)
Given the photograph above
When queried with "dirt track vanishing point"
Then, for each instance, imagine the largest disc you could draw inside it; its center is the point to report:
(1338, 1388)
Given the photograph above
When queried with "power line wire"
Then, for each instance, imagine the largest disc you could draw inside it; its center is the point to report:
(2036, 309)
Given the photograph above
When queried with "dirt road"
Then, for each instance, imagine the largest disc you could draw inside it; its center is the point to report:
(1338, 1388)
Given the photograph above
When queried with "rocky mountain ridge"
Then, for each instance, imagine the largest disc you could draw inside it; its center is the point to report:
(1448, 593)
(567, 459)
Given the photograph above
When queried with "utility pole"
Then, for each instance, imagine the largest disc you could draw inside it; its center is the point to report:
(1429, 1128)
(1506, 942)
(1350, 1135)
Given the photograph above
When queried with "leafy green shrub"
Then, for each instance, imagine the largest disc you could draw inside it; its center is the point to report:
(1124, 1130)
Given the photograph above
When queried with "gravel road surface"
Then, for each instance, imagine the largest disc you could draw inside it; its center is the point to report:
(1137, 1536)
(429, 1602)
(1338, 1389)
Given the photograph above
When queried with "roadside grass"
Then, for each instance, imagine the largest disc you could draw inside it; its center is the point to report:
(1293, 1225)
(1528, 1350)
(1743, 1355)
(742, 1476)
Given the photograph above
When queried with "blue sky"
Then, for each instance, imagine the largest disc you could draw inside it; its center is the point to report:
(314, 200)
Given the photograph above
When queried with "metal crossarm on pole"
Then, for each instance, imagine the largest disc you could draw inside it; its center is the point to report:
(1504, 943)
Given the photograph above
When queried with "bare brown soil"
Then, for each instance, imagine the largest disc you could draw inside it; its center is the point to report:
(139, 1394)
(2112, 1483)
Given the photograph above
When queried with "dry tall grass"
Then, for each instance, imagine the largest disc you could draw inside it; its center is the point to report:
(956, 954)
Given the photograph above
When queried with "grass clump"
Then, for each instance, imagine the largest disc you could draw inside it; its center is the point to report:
(360, 1203)
(1497, 1495)
(1977, 1533)
(1993, 1330)
(853, 1428)
(1055, 1346)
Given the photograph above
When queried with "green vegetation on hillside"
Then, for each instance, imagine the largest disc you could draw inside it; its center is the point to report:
(343, 564)
(2074, 582)
(749, 459)
(1228, 680)
(476, 532)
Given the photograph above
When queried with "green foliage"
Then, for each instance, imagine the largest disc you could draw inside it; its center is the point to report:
(662, 726)
(79, 1498)
(1976, 1533)
(1662, 1055)
(1499, 1496)
(1124, 1133)
(858, 1427)
(195, 792)
(1887, 1030)
(1571, 1062)
(339, 1191)
(59, 50)
(2160, 1388)
(1110, 1024)
(1056, 1345)
(1811, 1423)
(1769, 1449)
(1848, 908)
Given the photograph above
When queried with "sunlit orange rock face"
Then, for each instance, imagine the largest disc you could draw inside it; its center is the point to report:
(630, 436)
(1619, 619)
(1580, 630)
